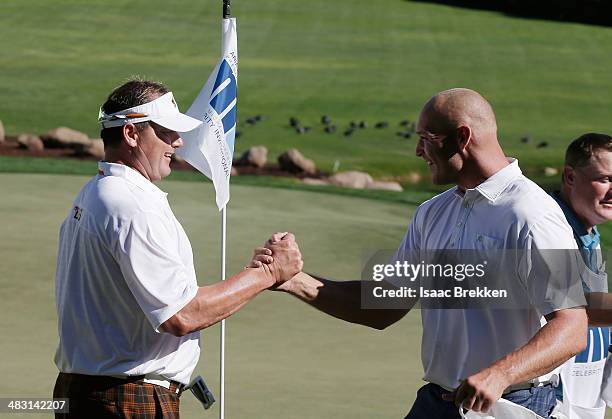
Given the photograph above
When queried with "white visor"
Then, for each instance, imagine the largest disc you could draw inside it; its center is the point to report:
(163, 111)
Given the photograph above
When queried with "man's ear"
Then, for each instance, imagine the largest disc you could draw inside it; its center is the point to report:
(464, 136)
(130, 135)
(569, 176)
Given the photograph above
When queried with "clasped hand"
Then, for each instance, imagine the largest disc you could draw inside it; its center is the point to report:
(280, 256)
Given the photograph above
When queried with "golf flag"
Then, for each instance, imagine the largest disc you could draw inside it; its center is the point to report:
(210, 147)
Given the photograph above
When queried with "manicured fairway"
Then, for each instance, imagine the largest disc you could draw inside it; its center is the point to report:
(284, 359)
(349, 59)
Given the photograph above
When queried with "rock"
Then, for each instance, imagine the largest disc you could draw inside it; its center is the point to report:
(293, 161)
(256, 156)
(414, 178)
(316, 182)
(63, 137)
(352, 179)
(2, 133)
(386, 186)
(96, 149)
(550, 171)
(234, 171)
(30, 142)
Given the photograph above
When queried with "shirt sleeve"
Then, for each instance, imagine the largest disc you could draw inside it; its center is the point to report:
(147, 253)
(551, 266)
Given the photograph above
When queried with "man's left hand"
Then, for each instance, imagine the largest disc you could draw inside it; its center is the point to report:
(480, 391)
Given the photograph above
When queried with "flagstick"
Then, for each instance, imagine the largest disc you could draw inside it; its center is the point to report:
(222, 342)
(226, 9)
(226, 15)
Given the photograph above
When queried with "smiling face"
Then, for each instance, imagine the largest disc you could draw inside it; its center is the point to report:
(153, 152)
(438, 146)
(589, 189)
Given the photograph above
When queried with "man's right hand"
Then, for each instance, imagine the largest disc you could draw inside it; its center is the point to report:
(281, 257)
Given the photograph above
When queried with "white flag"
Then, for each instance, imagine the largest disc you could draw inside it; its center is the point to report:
(210, 148)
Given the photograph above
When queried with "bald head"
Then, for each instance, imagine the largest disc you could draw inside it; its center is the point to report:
(453, 108)
(458, 138)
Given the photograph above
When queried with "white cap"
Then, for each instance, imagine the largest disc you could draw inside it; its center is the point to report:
(163, 111)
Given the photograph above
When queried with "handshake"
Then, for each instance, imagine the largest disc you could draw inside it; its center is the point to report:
(279, 257)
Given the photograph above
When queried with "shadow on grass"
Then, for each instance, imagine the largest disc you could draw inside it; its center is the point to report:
(592, 12)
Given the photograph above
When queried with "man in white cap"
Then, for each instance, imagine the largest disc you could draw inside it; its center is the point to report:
(128, 304)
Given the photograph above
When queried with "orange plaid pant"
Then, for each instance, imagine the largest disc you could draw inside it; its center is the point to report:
(99, 397)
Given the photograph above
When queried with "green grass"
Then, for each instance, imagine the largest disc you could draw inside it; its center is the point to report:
(284, 359)
(351, 60)
(412, 195)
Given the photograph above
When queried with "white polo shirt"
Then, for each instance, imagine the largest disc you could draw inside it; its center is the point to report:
(507, 211)
(124, 267)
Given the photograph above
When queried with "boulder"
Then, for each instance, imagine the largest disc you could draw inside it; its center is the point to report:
(256, 156)
(550, 171)
(30, 142)
(386, 186)
(414, 178)
(352, 179)
(63, 137)
(294, 162)
(234, 171)
(316, 182)
(96, 149)
(2, 133)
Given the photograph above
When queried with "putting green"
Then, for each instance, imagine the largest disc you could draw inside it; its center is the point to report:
(284, 359)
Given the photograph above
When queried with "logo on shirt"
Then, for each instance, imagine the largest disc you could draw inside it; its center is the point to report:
(77, 213)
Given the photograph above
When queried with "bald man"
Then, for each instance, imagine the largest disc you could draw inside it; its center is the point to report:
(474, 357)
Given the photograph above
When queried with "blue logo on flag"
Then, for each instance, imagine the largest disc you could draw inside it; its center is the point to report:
(224, 98)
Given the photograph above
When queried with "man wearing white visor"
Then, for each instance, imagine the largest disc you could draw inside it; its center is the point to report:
(128, 303)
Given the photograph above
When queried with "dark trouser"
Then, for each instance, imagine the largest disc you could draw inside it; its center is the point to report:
(429, 403)
(99, 397)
